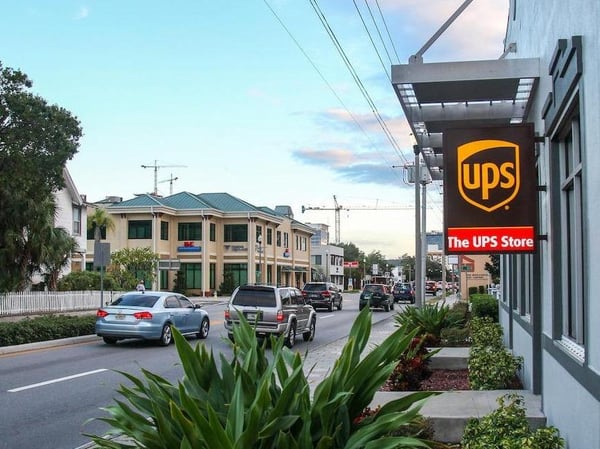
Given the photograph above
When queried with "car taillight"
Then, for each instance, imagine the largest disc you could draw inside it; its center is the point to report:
(101, 313)
(326, 293)
(304, 293)
(142, 315)
(227, 314)
(280, 315)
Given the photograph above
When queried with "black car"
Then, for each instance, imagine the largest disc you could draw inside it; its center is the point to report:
(376, 296)
(403, 291)
(325, 295)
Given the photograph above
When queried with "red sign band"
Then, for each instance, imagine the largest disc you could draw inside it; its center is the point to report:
(491, 240)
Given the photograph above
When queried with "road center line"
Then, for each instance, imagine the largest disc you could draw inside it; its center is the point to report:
(53, 381)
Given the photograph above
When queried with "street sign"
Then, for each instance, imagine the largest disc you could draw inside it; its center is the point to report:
(101, 254)
(351, 264)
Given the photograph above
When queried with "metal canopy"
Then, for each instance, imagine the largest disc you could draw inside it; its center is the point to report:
(442, 95)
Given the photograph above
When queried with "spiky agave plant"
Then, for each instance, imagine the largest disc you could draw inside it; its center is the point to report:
(260, 402)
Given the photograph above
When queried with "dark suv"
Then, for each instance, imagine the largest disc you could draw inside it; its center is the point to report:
(272, 311)
(403, 291)
(322, 295)
(376, 295)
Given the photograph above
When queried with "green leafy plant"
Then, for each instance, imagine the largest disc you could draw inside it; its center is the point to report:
(491, 366)
(259, 401)
(484, 305)
(427, 321)
(507, 428)
(49, 327)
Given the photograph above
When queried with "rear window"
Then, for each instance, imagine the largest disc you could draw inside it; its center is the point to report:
(141, 300)
(373, 288)
(255, 298)
(314, 287)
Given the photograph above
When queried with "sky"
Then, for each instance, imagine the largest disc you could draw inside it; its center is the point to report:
(249, 97)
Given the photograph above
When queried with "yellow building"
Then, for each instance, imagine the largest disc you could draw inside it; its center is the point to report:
(207, 235)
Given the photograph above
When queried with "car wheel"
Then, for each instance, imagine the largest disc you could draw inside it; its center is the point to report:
(330, 306)
(204, 328)
(310, 334)
(339, 306)
(109, 340)
(166, 336)
(392, 305)
(230, 336)
(386, 307)
(290, 339)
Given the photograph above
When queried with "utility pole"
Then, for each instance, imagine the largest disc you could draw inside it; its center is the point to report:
(155, 166)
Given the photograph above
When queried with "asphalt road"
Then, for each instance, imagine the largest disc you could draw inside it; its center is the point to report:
(50, 398)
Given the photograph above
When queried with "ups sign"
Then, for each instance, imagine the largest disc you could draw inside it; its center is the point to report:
(489, 190)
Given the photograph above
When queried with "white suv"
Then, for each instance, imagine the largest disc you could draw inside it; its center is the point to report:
(272, 311)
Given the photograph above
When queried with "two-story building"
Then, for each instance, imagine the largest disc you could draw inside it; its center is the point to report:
(207, 235)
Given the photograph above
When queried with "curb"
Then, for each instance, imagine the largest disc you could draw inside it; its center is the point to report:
(47, 344)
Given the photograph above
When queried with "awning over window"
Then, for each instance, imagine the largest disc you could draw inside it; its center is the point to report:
(438, 96)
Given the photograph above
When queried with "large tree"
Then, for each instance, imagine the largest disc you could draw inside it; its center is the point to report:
(36, 141)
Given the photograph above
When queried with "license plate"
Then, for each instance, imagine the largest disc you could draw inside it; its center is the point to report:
(251, 316)
(119, 316)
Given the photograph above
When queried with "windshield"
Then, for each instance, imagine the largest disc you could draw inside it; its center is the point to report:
(136, 300)
(255, 298)
(314, 287)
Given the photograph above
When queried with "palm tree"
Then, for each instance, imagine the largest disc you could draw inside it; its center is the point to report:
(58, 255)
(99, 220)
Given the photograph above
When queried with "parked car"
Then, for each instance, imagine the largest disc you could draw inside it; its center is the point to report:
(151, 315)
(376, 296)
(323, 295)
(430, 288)
(403, 291)
(273, 311)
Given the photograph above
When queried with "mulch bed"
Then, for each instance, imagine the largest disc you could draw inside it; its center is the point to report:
(450, 380)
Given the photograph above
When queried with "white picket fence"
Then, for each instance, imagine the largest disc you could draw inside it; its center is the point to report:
(29, 303)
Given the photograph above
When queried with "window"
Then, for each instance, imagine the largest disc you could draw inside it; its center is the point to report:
(279, 238)
(76, 220)
(189, 231)
(213, 232)
(269, 236)
(568, 189)
(286, 240)
(258, 232)
(236, 233)
(239, 272)
(192, 273)
(164, 230)
(139, 229)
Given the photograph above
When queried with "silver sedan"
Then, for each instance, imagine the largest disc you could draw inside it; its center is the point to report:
(150, 315)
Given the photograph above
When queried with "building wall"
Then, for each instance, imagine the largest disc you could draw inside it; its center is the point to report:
(287, 265)
(568, 370)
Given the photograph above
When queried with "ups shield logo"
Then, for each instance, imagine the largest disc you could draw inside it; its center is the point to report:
(488, 173)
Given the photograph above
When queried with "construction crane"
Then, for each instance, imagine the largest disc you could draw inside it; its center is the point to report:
(338, 207)
(156, 167)
(171, 179)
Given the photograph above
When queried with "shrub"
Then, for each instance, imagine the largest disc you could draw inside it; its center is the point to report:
(427, 321)
(260, 400)
(455, 337)
(484, 305)
(491, 366)
(86, 280)
(49, 327)
(507, 428)
(412, 367)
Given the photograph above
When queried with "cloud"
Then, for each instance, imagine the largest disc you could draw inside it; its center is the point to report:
(83, 13)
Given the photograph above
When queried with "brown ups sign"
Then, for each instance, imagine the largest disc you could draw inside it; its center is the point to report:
(490, 190)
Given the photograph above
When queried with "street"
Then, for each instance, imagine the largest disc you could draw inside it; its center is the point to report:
(50, 398)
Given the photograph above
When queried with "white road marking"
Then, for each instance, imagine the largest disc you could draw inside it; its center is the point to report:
(325, 316)
(53, 381)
